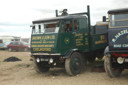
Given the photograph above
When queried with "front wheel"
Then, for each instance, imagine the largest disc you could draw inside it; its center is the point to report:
(74, 64)
(110, 70)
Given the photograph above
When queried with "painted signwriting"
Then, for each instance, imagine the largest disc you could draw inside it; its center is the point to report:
(119, 34)
(46, 37)
(86, 39)
(41, 49)
(120, 45)
(102, 40)
(43, 43)
(79, 39)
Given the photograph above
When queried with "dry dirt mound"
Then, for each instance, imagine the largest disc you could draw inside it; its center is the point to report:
(12, 59)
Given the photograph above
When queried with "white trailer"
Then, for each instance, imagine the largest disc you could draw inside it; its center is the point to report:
(4, 39)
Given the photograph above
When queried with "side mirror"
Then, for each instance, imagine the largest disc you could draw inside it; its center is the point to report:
(32, 25)
(33, 28)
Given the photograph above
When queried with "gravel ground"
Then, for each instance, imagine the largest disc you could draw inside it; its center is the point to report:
(23, 73)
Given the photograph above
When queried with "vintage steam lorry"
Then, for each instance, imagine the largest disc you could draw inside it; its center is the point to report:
(67, 40)
(116, 53)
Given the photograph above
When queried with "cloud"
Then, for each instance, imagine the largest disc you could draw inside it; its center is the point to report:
(13, 24)
(17, 15)
(18, 34)
(22, 31)
(14, 28)
(119, 3)
(44, 11)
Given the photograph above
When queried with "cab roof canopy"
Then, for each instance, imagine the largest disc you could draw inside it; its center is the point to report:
(115, 11)
(59, 18)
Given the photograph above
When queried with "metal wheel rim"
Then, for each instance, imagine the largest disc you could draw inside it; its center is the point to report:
(76, 65)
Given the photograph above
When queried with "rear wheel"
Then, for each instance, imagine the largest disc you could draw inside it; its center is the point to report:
(74, 64)
(40, 67)
(110, 70)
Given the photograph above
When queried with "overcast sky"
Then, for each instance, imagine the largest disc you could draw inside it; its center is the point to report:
(16, 15)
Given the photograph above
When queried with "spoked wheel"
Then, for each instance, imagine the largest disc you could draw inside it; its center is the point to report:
(74, 64)
(111, 71)
(40, 67)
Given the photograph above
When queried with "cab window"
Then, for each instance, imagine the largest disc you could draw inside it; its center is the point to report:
(118, 20)
(67, 26)
(46, 27)
(75, 25)
(82, 25)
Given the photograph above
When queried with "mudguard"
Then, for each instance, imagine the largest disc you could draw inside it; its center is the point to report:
(106, 50)
(69, 53)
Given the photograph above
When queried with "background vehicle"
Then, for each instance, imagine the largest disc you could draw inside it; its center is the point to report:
(6, 44)
(3, 46)
(116, 53)
(67, 41)
(4, 40)
(18, 46)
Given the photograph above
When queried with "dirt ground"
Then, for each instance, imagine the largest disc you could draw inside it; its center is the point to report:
(23, 73)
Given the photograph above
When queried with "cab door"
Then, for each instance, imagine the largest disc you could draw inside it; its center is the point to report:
(81, 34)
(67, 36)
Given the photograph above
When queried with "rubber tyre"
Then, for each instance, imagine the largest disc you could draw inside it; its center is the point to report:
(9, 49)
(112, 72)
(74, 64)
(40, 68)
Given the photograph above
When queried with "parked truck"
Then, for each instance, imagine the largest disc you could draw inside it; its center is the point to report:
(68, 41)
(116, 53)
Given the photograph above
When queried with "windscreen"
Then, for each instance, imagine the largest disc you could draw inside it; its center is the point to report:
(46, 27)
(118, 20)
